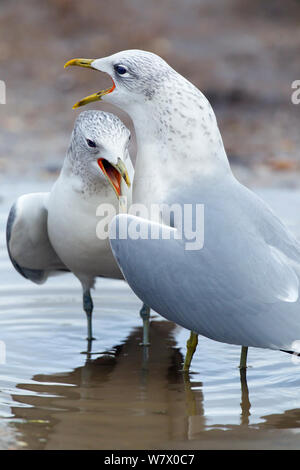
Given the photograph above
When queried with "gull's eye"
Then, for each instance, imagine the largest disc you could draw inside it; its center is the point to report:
(91, 143)
(120, 69)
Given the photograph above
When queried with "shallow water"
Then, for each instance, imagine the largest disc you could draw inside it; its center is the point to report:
(54, 397)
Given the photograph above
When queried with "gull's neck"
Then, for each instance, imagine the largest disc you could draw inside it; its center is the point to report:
(178, 140)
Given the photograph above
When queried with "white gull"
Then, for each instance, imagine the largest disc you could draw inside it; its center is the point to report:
(242, 287)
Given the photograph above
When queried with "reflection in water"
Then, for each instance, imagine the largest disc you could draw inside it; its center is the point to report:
(130, 397)
(113, 402)
(194, 407)
(245, 403)
(126, 400)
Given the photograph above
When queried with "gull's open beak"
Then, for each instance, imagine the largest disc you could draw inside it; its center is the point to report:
(114, 173)
(123, 171)
(95, 96)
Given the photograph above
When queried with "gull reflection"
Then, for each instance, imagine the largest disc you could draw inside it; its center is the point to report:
(245, 403)
(122, 399)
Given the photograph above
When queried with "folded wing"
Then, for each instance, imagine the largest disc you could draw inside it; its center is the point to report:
(236, 289)
(27, 239)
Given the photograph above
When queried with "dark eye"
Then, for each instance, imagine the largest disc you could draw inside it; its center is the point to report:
(90, 143)
(120, 69)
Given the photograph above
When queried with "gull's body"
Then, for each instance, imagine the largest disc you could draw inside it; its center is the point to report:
(48, 233)
(73, 209)
(242, 286)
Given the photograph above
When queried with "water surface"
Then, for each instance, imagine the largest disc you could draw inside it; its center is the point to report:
(54, 397)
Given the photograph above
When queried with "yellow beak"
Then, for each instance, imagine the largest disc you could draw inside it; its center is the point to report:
(121, 167)
(80, 63)
(114, 173)
(95, 96)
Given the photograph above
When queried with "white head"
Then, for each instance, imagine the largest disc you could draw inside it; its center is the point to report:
(138, 73)
(99, 147)
(173, 120)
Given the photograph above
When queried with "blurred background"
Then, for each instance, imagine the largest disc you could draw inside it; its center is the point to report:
(243, 55)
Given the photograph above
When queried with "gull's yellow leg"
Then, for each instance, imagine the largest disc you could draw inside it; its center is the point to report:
(191, 346)
(243, 360)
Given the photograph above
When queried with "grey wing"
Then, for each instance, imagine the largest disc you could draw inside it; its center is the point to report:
(251, 300)
(28, 244)
(272, 229)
